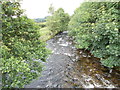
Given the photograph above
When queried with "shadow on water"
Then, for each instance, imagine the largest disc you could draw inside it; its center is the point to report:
(68, 67)
(89, 73)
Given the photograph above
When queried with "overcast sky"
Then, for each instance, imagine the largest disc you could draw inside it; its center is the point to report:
(39, 8)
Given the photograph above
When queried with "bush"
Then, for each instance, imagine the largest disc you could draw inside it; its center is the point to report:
(96, 27)
(21, 47)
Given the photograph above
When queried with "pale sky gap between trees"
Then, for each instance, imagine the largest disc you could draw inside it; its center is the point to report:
(39, 8)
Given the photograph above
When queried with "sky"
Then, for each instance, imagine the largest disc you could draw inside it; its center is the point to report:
(39, 8)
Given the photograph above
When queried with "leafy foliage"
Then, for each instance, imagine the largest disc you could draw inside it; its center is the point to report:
(96, 27)
(21, 47)
(58, 21)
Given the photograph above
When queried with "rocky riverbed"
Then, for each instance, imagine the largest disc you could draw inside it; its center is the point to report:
(68, 67)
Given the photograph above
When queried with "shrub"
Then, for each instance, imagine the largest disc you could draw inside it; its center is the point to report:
(21, 47)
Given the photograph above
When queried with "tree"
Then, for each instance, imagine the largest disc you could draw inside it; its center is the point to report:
(51, 9)
(96, 27)
(107, 31)
(58, 21)
(21, 47)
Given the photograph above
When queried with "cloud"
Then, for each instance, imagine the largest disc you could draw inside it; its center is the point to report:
(39, 8)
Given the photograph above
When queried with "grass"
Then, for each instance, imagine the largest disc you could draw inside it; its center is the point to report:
(46, 34)
(42, 24)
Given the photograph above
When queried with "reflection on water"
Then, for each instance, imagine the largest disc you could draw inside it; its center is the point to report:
(67, 67)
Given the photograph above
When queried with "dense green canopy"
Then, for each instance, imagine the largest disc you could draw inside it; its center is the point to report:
(96, 27)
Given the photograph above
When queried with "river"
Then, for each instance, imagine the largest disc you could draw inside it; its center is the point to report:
(68, 67)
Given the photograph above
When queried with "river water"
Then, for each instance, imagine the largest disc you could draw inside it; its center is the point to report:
(68, 67)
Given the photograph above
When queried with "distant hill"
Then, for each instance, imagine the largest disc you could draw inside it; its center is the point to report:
(40, 19)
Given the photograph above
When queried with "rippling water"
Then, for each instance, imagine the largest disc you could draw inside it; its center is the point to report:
(67, 67)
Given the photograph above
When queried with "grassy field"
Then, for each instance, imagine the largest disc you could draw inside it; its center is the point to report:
(45, 33)
(42, 24)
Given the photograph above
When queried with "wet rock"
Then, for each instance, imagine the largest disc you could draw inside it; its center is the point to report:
(75, 79)
(55, 86)
(74, 60)
(88, 56)
(47, 86)
(98, 76)
(65, 32)
(69, 68)
(80, 52)
(60, 39)
(38, 86)
(84, 55)
(77, 57)
(110, 71)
